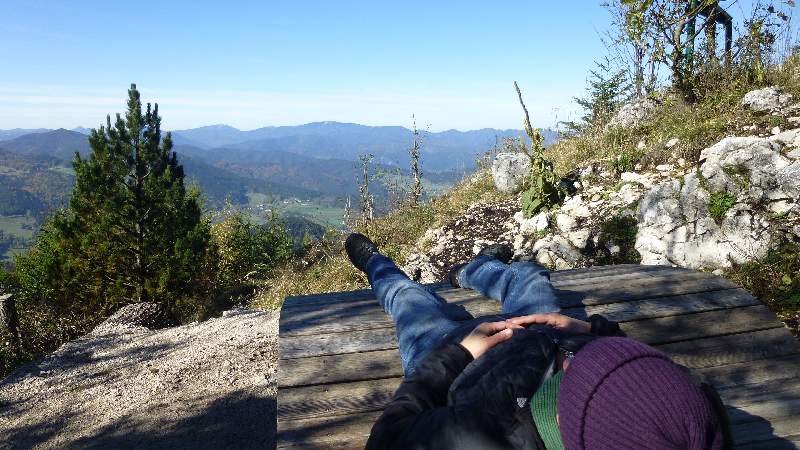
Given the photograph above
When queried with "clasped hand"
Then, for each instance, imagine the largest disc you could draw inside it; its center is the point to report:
(489, 334)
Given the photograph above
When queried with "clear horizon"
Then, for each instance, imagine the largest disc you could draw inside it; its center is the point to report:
(253, 64)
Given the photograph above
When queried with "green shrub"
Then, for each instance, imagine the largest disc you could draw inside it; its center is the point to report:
(544, 186)
(775, 280)
(623, 163)
(719, 204)
(620, 231)
(248, 252)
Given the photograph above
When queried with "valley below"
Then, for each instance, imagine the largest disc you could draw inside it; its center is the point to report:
(305, 174)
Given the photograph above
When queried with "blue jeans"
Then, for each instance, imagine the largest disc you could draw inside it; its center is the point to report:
(423, 320)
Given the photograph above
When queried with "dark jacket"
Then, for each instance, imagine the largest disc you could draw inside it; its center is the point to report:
(451, 401)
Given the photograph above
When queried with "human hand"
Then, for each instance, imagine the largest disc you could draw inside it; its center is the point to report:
(555, 320)
(486, 336)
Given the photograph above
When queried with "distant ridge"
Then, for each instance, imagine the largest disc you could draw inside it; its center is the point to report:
(6, 135)
(449, 150)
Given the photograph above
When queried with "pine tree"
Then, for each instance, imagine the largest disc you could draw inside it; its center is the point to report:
(133, 232)
(606, 91)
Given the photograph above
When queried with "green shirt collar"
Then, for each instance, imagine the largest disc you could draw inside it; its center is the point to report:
(544, 407)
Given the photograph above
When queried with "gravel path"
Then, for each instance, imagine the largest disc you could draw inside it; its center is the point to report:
(203, 385)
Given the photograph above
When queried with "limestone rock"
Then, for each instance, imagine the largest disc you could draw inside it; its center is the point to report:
(766, 100)
(675, 226)
(736, 163)
(535, 224)
(557, 252)
(790, 138)
(510, 171)
(633, 113)
(458, 240)
(633, 177)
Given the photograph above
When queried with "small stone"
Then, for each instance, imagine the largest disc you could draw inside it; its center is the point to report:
(542, 222)
(776, 130)
(579, 238)
(681, 162)
(641, 145)
(665, 167)
(794, 120)
(565, 223)
(672, 142)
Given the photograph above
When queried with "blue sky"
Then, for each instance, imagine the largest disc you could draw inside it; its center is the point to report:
(252, 64)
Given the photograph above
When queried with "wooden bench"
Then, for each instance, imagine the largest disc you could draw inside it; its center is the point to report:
(339, 363)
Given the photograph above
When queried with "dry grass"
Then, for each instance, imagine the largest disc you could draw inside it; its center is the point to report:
(325, 267)
(717, 114)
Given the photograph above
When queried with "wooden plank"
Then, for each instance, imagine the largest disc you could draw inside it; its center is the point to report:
(372, 401)
(651, 331)
(340, 432)
(336, 399)
(666, 330)
(733, 348)
(768, 409)
(778, 390)
(753, 372)
(351, 431)
(673, 305)
(630, 277)
(339, 368)
(641, 289)
(763, 431)
(367, 314)
(773, 444)
(699, 353)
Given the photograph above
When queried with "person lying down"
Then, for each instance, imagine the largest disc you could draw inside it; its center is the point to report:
(530, 377)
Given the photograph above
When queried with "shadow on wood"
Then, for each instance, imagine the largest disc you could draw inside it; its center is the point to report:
(339, 363)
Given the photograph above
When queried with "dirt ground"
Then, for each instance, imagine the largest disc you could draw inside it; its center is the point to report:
(207, 385)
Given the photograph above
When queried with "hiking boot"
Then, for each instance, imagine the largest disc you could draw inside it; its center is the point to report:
(453, 273)
(502, 252)
(359, 249)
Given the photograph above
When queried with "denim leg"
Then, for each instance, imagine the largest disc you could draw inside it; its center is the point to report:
(521, 287)
(422, 319)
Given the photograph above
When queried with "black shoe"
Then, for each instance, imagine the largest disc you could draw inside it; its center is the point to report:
(503, 252)
(453, 274)
(359, 248)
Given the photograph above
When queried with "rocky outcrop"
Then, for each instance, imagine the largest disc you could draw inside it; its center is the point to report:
(633, 113)
(767, 100)
(510, 171)
(461, 239)
(734, 208)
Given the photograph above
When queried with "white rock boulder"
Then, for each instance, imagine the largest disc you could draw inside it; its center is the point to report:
(675, 222)
(766, 100)
(633, 113)
(510, 171)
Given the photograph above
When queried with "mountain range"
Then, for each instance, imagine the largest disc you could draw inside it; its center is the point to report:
(315, 161)
(450, 150)
(313, 164)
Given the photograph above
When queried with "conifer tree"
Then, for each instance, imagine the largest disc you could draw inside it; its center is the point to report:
(133, 232)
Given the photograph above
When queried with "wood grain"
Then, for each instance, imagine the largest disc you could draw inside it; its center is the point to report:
(339, 363)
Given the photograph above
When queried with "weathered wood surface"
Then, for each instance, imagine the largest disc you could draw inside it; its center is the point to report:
(339, 363)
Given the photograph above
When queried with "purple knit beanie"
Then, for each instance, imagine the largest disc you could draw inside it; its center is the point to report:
(618, 393)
